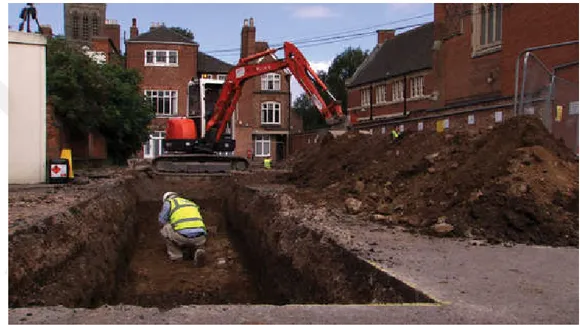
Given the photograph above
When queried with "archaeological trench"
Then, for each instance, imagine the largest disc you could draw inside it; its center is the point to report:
(264, 248)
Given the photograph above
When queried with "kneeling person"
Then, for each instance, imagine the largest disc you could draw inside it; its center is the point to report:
(183, 227)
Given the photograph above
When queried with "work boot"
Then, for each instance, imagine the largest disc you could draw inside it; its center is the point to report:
(199, 257)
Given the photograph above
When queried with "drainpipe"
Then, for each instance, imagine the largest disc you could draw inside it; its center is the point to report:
(405, 96)
(371, 103)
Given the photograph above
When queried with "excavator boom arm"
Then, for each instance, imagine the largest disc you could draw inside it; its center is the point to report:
(293, 60)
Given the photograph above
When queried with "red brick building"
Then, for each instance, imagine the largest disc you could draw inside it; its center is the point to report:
(264, 119)
(396, 79)
(179, 80)
(471, 80)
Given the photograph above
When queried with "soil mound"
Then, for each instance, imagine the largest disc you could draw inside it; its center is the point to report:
(513, 183)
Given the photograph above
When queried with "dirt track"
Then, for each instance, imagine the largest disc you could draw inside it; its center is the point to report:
(155, 281)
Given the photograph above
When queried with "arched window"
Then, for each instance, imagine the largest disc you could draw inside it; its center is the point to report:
(95, 25)
(75, 26)
(85, 27)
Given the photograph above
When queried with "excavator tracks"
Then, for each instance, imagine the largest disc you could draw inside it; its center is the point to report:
(202, 164)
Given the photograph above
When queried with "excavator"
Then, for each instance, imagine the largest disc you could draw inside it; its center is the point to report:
(184, 152)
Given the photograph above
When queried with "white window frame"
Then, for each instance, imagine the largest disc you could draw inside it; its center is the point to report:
(420, 126)
(276, 112)
(417, 86)
(271, 82)
(155, 136)
(398, 88)
(161, 63)
(365, 97)
(262, 145)
(471, 119)
(483, 16)
(498, 116)
(153, 96)
(381, 96)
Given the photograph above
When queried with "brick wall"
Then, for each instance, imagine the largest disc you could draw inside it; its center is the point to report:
(483, 117)
(379, 110)
(54, 134)
(247, 117)
(165, 78)
(459, 75)
(535, 24)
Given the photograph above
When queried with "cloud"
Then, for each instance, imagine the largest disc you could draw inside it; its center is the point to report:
(295, 87)
(315, 11)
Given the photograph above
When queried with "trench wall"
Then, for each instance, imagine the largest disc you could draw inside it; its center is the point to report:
(71, 258)
(281, 234)
(77, 258)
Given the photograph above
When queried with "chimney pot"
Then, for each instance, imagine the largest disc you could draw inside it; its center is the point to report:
(134, 22)
(251, 22)
(245, 22)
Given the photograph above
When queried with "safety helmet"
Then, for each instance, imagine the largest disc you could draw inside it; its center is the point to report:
(169, 195)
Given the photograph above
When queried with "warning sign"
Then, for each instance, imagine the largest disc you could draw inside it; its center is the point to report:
(58, 170)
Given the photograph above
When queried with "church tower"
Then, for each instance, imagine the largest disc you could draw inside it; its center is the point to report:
(83, 21)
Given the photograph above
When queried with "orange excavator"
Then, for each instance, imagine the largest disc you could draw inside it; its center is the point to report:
(186, 153)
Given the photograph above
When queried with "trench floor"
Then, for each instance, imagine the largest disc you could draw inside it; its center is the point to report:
(155, 281)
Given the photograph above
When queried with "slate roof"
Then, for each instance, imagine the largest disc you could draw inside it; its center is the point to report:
(407, 52)
(209, 64)
(161, 34)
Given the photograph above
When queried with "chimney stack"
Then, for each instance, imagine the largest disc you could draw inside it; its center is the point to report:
(248, 38)
(113, 32)
(134, 31)
(385, 35)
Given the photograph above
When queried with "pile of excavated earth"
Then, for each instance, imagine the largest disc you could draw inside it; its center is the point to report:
(512, 184)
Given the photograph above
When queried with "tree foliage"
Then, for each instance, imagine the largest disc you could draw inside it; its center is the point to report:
(183, 32)
(343, 67)
(88, 96)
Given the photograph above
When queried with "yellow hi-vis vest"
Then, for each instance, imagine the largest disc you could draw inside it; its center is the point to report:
(395, 134)
(267, 163)
(184, 214)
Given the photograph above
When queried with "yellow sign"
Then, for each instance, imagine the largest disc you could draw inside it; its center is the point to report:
(559, 110)
(440, 126)
(67, 154)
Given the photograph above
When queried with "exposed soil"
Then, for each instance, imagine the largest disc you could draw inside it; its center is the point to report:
(155, 281)
(515, 183)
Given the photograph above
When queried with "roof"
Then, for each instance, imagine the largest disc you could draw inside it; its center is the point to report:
(209, 64)
(407, 52)
(161, 34)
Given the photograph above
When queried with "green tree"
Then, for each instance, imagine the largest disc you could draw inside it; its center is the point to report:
(88, 96)
(311, 117)
(343, 67)
(183, 32)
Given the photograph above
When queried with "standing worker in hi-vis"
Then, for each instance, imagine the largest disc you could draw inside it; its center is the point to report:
(268, 163)
(183, 228)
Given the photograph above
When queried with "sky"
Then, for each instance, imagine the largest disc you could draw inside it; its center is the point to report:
(217, 26)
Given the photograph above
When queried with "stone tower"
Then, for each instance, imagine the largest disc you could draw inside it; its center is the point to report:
(83, 21)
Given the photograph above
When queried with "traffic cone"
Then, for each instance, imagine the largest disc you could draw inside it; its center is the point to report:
(67, 154)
